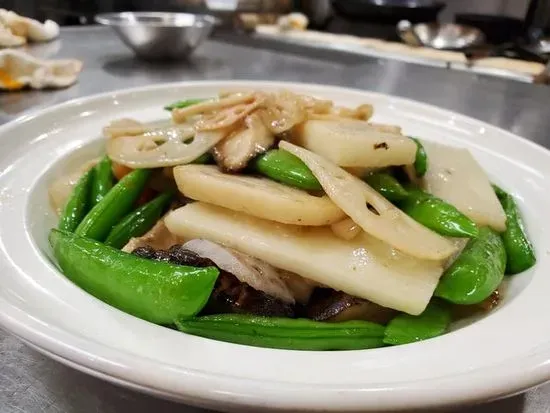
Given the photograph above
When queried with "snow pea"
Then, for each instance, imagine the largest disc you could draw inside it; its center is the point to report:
(102, 181)
(116, 204)
(156, 291)
(406, 328)
(421, 160)
(284, 167)
(183, 104)
(437, 215)
(477, 271)
(78, 204)
(139, 221)
(204, 158)
(386, 185)
(518, 248)
(285, 333)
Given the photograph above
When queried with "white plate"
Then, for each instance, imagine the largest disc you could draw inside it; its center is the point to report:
(507, 351)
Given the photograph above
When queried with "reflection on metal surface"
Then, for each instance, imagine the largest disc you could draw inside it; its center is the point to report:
(440, 35)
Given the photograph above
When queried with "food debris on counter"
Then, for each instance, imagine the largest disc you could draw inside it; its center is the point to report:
(19, 70)
(16, 30)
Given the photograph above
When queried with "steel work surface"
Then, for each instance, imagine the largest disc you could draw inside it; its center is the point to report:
(31, 382)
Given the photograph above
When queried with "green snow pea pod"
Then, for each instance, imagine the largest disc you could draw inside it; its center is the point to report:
(139, 221)
(386, 185)
(406, 328)
(285, 333)
(102, 181)
(284, 167)
(155, 291)
(421, 160)
(183, 104)
(438, 215)
(477, 271)
(78, 204)
(518, 248)
(204, 158)
(118, 202)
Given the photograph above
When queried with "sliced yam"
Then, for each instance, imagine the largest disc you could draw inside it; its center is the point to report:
(61, 189)
(383, 127)
(346, 229)
(364, 267)
(456, 177)
(371, 211)
(259, 197)
(163, 147)
(355, 143)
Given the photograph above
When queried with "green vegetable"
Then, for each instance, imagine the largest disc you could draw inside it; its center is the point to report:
(437, 215)
(78, 204)
(518, 248)
(204, 158)
(118, 202)
(284, 167)
(387, 185)
(183, 104)
(139, 221)
(477, 271)
(285, 333)
(102, 180)
(421, 160)
(406, 328)
(155, 291)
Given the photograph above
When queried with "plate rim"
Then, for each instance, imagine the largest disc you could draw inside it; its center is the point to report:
(71, 353)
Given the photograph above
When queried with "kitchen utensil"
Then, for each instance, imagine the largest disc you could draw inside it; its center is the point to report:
(159, 35)
(439, 36)
(389, 11)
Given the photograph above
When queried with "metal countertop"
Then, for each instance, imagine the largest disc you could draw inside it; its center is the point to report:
(30, 382)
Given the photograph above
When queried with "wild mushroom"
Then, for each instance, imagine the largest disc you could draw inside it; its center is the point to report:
(331, 305)
(233, 153)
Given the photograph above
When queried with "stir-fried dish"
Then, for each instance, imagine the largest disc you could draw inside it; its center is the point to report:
(281, 220)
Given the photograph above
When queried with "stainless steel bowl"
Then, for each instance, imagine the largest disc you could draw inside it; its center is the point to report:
(159, 35)
(440, 36)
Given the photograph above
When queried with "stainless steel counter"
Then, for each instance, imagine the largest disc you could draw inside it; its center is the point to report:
(30, 382)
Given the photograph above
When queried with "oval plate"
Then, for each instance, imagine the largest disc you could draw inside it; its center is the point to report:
(506, 352)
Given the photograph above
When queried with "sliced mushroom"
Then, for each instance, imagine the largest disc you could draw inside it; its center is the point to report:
(283, 110)
(180, 115)
(177, 145)
(252, 271)
(330, 305)
(232, 296)
(124, 127)
(233, 153)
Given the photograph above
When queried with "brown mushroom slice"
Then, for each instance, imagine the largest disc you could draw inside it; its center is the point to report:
(233, 153)
(163, 147)
(336, 306)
